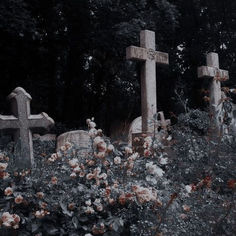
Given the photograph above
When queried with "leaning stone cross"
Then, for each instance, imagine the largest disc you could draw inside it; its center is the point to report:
(150, 57)
(22, 122)
(212, 71)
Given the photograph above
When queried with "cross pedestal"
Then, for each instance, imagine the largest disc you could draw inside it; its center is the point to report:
(216, 76)
(147, 54)
(22, 122)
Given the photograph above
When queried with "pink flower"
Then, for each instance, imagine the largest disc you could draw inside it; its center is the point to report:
(3, 166)
(128, 150)
(54, 180)
(117, 160)
(8, 191)
(19, 199)
(74, 163)
(110, 148)
(73, 175)
(40, 195)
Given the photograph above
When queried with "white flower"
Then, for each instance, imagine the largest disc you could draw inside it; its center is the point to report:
(89, 210)
(92, 125)
(73, 175)
(88, 202)
(117, 160)
(103, 176)
(74, 162)
(154, 169)
(97, 201)
(98, 140)
(3, 166)
(88, 121)
(110, 148)
(8, 191)
(188, 188)
(128, 150)
(169, 138)
(163, 161)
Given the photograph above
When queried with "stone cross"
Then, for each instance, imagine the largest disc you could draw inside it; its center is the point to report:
(212, 71)
(147, 54)
(22, 122)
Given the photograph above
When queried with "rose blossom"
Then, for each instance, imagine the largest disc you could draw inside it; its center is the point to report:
(54, 180)
(8, 191)
(19, 199)
(3, 166)
(117, 160)
(40, 194)
(110, 148)
(128, 150)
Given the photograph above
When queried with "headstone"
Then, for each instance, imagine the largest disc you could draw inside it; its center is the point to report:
(22, 123)
(147, 54)
(79, 138)
(136, 126)
(216, 75)
(45, 138)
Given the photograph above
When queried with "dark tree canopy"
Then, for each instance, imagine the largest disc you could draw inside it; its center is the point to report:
(70, 55)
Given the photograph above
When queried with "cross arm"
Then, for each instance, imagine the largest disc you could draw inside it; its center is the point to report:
(162, 58)
(136, 53)
(40, 121)
(211, 72)
(8, 122)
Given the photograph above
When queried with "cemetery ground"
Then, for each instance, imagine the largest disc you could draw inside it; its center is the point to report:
(184, 185)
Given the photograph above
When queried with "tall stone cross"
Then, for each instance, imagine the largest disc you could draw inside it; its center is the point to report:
(147, 54)
(22, 122)
(216, 75)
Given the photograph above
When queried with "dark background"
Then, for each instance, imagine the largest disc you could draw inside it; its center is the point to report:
(70, 55)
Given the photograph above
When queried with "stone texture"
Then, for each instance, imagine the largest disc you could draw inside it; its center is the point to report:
(136, 126)
(212, 71)
(22, 123)
(150, 57)
(79, 138)
(45, 138)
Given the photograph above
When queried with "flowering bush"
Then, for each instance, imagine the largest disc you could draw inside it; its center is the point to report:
(109, 191)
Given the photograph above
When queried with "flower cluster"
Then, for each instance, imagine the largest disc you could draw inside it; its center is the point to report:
(10, 220)
(3, 166)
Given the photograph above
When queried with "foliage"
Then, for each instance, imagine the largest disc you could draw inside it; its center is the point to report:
(112, 191)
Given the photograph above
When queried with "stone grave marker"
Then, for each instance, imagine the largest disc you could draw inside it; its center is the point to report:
(22, 123)
(150, 57)
(216, 75)
(136, 127)
(79, 138)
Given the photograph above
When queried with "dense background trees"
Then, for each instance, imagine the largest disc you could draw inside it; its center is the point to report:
(70, 55)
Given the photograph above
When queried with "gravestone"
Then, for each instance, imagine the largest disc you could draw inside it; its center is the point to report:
(147, 54)
(45, 138)
(216, 75)
(79, 138)
(22, 123)
(154, 126)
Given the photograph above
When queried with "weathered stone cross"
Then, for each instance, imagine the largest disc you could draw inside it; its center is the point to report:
(150, 57)
(22, 122)
(212, 71)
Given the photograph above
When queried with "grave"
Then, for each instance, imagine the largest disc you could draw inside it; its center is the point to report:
(79, 138)
(136, 126)
(216, 76)
(145, 125)
(147, 54)
(22, 123)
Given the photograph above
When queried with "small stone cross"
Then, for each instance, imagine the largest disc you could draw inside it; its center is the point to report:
(212, 71)
(163, 123)
(22, 122)
(150, 57)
